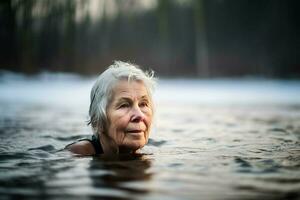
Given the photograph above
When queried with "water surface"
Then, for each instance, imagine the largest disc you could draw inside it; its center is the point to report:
(212, 139)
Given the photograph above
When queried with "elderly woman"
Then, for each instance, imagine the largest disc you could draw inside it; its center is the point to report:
(121, 111)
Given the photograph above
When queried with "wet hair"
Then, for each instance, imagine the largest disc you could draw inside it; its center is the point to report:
(102, 90)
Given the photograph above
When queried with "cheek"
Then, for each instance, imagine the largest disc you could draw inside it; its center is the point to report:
(119, 121)
(149, 118)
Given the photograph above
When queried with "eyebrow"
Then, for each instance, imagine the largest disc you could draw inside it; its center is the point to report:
(123, 99)
(145, 97)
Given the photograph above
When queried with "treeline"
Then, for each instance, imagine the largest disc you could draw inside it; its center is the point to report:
(199, 38)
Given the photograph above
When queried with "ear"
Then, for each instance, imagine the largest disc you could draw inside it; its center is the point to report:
(104, 128)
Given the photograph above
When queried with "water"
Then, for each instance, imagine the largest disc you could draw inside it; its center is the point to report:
(212, 139)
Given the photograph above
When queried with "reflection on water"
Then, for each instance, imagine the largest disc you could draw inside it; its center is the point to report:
(197, 150)
(119, 174)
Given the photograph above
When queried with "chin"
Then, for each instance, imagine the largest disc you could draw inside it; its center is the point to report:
(135, 146)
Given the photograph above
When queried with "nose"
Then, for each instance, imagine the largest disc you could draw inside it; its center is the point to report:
(137, 115)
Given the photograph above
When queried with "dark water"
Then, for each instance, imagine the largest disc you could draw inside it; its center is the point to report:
(198, 149)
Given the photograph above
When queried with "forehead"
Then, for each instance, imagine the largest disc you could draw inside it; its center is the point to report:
(132, 89)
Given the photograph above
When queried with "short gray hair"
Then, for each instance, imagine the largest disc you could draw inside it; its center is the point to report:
(101, 92)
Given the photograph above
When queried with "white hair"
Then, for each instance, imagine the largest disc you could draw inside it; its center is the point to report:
(101, 92)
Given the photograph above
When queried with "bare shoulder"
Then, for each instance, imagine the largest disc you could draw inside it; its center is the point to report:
(84, 148)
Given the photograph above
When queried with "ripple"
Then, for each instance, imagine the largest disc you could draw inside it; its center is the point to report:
(242, 163)
(240, 151)
(68, 139)
(156, 143)
(47, 148)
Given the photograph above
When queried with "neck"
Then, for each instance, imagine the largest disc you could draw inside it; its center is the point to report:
(126, 150)
(108, 145)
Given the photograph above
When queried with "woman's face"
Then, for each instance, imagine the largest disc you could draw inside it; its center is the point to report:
(129, 115)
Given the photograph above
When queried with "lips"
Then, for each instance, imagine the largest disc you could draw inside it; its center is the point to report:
(134, 131)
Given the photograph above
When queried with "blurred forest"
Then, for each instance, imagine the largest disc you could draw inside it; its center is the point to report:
(190, 38)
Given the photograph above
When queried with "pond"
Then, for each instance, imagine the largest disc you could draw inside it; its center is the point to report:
(212, 139)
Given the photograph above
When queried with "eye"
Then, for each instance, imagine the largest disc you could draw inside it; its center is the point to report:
(143, 104)
(124, 105)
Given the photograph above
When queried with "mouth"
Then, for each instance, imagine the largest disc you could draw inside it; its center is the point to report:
(133, 131)
(136, 133)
